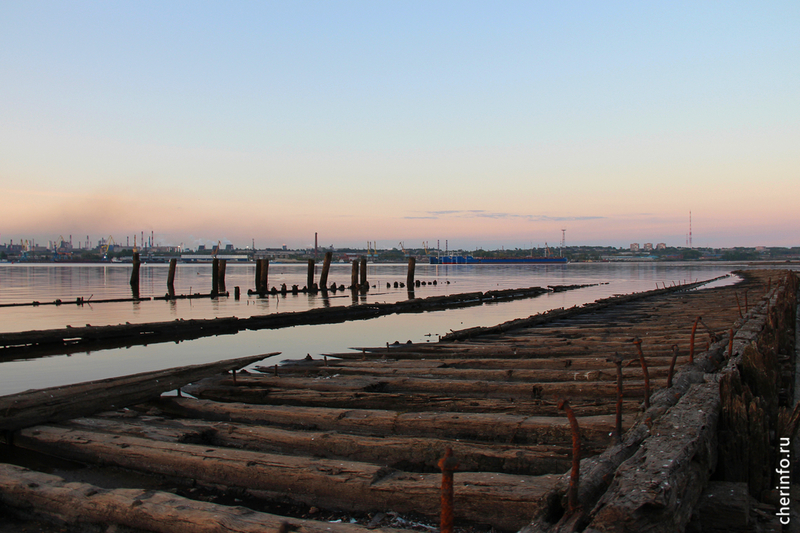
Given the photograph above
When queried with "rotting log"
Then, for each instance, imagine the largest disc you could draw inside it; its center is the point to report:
(54, 404)
(212, 389)
(581, 389)
(486, 427)
(657, 489)
(326, 266)
(80, 504)
(408, 453)
(499, 499)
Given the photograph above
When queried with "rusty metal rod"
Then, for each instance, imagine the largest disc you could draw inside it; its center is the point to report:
(448, 465)
(691, 341)
(738, 304)
(638, 342)
(575, 473)
(730, 343)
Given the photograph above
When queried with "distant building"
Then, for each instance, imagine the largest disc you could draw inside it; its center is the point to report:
(761, 248)
(661, 246)
(228, 247)
(635, 247)
(648, 247)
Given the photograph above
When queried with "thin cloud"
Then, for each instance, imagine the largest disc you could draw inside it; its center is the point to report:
(477, 213)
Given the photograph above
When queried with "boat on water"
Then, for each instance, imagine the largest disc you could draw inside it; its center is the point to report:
(470, 260)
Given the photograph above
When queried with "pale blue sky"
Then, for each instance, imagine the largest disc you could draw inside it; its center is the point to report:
(488, 124)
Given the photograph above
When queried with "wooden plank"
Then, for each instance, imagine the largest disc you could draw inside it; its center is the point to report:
(499, 499)
(53, 404)
(79, 504)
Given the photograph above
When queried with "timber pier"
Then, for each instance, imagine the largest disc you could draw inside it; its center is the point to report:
(629, 414)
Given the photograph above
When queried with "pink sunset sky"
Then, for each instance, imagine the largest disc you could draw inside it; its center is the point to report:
(486, 125)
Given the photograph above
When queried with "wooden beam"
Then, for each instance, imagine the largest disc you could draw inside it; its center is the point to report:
(54, 404)
(78, 504)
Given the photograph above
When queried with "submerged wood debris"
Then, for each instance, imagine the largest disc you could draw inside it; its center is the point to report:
(362, 433)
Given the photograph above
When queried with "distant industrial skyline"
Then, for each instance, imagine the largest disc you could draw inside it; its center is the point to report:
(488, 125)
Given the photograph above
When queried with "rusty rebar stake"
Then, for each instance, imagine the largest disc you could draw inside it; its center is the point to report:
(730, 343)
(672, 365)
(638, 342)
(575, 473)
(691, 341)
(617, 360)
(448, 465)
(738, 304)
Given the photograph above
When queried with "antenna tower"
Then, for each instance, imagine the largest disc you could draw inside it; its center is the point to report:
(690, 230)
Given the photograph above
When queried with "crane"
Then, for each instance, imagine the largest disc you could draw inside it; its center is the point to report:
(108, 246)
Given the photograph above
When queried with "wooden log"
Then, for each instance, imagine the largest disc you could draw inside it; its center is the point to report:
(54, 404)
(658, 488)
(214, 277)
(79, 504)
(495, 498)
(413, 454)
(310, 275)
(466, 388)
(604, 373)
(412, 262)
(485, 427)
(326, 266)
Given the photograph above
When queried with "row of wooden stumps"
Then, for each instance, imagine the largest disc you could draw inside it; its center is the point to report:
(358, 277)
(218, 269)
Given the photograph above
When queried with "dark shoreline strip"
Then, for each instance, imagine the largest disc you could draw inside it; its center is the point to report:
(71, 340)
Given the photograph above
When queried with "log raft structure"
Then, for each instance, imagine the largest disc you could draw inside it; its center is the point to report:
(363, 433)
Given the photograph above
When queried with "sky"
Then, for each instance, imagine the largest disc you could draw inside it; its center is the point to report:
(486, 124)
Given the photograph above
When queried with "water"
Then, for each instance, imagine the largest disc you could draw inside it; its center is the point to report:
(48, 282)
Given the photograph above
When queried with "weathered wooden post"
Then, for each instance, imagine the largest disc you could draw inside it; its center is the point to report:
(135, 276)
(264, 275)
(259, 263)
(354, 275)
(412, 263)
(223, 265)
(363, 280)
(173, 263)
(326, 266)
(310, 277)
(214, 277)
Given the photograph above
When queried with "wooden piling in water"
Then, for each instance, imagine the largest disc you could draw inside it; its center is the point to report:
(214, 277)
(223, 265)
(257, 281)
(326, 266)
(135, 275)
(363, 279)
(354, 275)
(310, 277)
(173, 263)
(264, 275)
(412, 262)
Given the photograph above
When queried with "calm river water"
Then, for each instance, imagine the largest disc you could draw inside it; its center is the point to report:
(21, 283)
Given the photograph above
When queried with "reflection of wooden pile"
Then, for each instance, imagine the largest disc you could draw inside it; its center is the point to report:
(363, 432)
